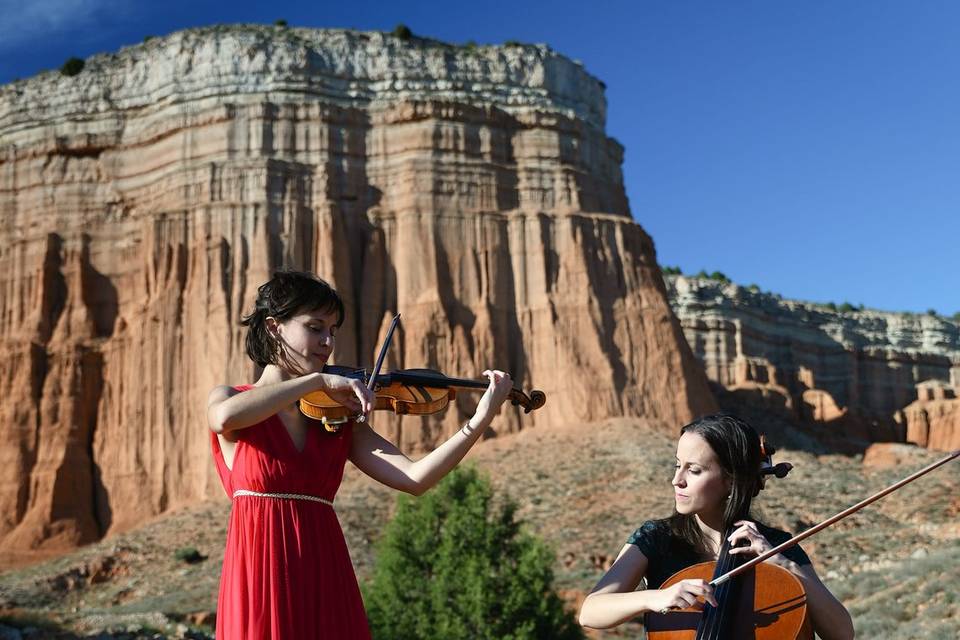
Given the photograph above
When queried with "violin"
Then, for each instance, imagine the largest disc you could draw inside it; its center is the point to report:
(405, 392)
(755, 599)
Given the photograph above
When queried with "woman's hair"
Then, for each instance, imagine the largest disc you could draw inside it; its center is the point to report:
(737, 447)
(286, 294)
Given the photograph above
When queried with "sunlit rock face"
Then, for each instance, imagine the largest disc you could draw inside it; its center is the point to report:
(144, 200)
(863, 366)
(933, 419)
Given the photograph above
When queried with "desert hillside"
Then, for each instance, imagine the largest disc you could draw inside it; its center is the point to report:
(583, 489)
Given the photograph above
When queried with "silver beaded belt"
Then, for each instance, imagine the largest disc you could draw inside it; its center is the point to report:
(281, 496)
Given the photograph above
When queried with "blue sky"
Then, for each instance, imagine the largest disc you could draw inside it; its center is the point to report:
(812, 148)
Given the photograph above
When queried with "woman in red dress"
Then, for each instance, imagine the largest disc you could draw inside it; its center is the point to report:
(286, 569)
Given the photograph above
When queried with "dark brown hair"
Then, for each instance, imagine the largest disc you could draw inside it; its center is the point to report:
(286, 294)
(737, 447)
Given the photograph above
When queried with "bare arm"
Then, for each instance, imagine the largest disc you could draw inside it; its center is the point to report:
(384, 462)
(229, 410)
(613, 601)
(830, 618)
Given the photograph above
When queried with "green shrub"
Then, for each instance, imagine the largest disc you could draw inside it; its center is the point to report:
(19, 619)
(72, 67)
(402, 31)
(280, 23)
(956, 316)
(846, 307)
(456, 564)
(671, 271)
(932, 312)
(189, 555)
(513, 43)
(147, 39)
(719, 276)
(831, 305)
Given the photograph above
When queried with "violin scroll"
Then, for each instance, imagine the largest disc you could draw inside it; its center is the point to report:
(531, 402)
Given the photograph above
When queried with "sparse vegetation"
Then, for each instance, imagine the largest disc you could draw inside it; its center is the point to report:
(19, 620)
(280, 23)
(932, 312)
(147, 39)
(956, 316)
(846, 307)
(719, 276)
(402, 31)
(585, 508)
(513, 43)
(72, 67)
(189, 555)
(671, 271)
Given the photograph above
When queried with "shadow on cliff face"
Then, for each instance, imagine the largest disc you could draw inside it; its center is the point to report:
(771, 414)
(99, 294)
(100, 297)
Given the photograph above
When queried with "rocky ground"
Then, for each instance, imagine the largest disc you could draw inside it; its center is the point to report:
(582, 489)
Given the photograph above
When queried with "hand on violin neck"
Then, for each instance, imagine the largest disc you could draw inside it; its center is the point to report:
(493, 398)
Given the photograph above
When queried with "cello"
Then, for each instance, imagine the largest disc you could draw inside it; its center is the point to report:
(755, 600)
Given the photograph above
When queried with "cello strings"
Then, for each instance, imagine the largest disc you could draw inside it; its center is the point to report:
(715, 620)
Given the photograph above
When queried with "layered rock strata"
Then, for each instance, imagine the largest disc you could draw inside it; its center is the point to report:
(860, 368)
(144, 200)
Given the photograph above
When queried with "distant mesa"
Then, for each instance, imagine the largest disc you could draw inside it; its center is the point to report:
(881, 376)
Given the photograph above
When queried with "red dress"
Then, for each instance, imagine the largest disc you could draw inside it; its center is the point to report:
(286, 569)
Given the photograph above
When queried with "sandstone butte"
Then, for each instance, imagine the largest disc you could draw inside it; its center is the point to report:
(142, 202)
(873, 374)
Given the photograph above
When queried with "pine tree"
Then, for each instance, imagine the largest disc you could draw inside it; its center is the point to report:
(455, 563)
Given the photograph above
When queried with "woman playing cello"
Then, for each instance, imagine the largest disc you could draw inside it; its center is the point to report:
(718, 473)
(286, 569)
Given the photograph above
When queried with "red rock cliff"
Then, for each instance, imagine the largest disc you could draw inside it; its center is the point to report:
(144, 200)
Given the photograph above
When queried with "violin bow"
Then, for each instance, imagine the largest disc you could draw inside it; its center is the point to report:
(826, 523)
(383, 352)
